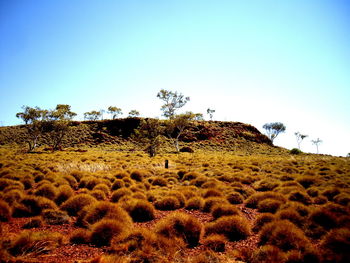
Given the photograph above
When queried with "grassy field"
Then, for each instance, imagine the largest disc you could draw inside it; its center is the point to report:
(101, 204)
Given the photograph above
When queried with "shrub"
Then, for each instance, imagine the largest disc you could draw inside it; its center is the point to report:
(211, 201)
(55, 217)
(138, 175)
(324, 218)
(98, 194)
(269, 205)
(167, 203)
(336, 245)
(180, 225)
(117, 184)
(103, 210)
(215, 242)
(284, 235)
(179, 196)
(235, 198)
(253, 200)
(307, 181)
(103, 231)
(212, 193)
(267, 254)
(33, 223)
(234, 228)
(261, 220)
(89, 182)
(12, 196)
(116, 195)
(186, 149)
(76, 203)
(141, 211)
(35, 243)
(80, 236)
(159, 181)
(295, 151)
(32, 206)
(292, 215)
(102, 187)
(63, 193)
(301, 197)
(46, 190)
(5, 211)
(265, 185)
(195, 203)
(220, 210)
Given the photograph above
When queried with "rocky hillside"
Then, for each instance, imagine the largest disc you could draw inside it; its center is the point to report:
(222, 134)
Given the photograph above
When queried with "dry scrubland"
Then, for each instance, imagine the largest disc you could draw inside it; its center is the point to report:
(104, 205)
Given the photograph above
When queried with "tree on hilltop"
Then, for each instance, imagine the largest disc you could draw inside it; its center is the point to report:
(210, 112)
(134, 113)
(33, 119)
(173, 101)
(92, 115)
(114, 111)
(273, 129)
(300, 137)
(317, 142)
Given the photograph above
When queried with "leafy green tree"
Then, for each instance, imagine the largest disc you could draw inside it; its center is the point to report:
(92, 115)
(210, 112)
(34, 120)
(300, 137)
(273, 129)
(317, 142)
(173, 101)
(114, 111)
(134, 113)
(150, 134)
(175, 127)
(57, 124)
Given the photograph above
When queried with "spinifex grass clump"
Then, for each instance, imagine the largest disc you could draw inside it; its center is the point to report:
(210, 202)
(141, 211)
(269, 205)
(336, 245)
(63, 193)
(5, 211)
(46, 190)
(220, 210)
(167, 203)
(55, 217)
(254, 200)
(118, 194)
(104, 230)
(284, 235)
(232, 227)
(215, 242)
(195, 203)
(32, 206)
(180, 225)
(76, 203)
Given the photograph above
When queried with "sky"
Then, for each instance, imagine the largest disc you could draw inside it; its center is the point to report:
(253, 61)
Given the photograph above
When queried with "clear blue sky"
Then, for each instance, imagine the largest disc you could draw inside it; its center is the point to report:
(252, 61)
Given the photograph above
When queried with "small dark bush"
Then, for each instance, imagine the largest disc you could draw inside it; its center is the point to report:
(186, 149)
(295, 151)
(234, 228)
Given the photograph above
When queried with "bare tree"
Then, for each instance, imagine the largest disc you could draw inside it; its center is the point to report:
(173, 101)
(300, 137)
(273, 129)
(317, 142)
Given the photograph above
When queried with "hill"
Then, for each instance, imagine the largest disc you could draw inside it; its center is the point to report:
(207, 135)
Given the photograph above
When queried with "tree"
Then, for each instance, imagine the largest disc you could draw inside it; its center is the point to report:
(175, 127)
(300, 137)
(134, 113)
(149, 133)
(114, 111)
(33, 119)
(57, 123)
(273, 129)
(92, 115)
(173, 101)
(317, 142)
(210, 112)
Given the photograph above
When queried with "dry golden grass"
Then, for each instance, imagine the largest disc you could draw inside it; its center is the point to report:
(290, 203)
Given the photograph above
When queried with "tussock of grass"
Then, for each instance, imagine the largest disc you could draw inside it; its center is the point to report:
(254, 200)
(167, 203)
(105, 230)
(76, 203)
(221, 210)
(5, 211)
(180, 225)
(234, 228)
(195, 203)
